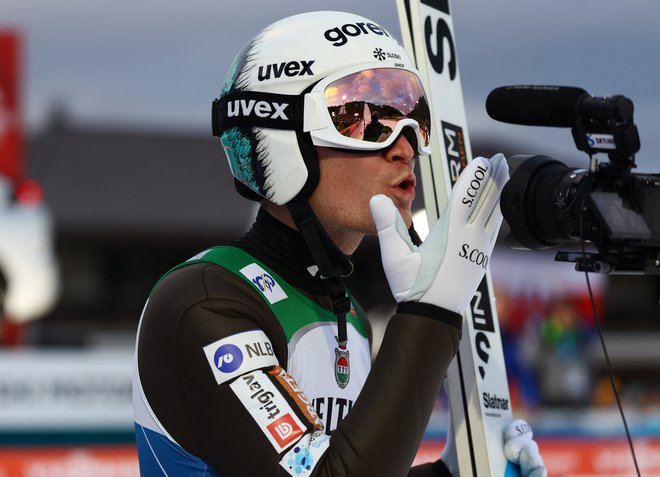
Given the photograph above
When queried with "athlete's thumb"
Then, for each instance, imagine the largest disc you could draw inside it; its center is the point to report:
(401, 259)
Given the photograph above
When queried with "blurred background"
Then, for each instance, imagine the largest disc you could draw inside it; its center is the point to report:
(109, 176)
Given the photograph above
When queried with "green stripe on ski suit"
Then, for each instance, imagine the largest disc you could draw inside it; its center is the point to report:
(294, 312)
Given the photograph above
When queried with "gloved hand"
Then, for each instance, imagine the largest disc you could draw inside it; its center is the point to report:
(520, 448)
(447, 268)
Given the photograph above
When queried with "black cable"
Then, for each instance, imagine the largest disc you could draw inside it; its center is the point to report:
(610, 371)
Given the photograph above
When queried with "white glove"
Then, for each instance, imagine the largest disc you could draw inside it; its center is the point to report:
(520, 448)
(447, 268)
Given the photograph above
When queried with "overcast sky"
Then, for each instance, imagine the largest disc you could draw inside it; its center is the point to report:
(158, 63)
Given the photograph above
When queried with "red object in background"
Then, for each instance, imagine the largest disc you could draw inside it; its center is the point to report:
(11, 138)
(29, 192)
(563, 457)
(11, 335)
(107, 461)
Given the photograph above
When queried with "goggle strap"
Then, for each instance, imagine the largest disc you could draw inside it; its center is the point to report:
(257, 109)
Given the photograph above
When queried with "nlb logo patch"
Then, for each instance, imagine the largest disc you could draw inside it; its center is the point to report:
(264, 282)
(228, 358)
(238, 354)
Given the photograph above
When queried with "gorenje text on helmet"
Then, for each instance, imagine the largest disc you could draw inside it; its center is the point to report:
(338, 35)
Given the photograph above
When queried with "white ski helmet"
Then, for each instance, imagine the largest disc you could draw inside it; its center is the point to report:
(313, 80)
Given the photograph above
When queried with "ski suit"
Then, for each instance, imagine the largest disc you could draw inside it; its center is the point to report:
(239, 373)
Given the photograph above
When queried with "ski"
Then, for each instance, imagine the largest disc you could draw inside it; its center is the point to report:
(478, 393)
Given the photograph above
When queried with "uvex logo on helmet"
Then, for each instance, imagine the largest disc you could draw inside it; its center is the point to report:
(339, 35)
(287, 68)
(262, 109)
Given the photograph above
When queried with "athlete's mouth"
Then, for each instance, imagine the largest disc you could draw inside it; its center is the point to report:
(407, 185)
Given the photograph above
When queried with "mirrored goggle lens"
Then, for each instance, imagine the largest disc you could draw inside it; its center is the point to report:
(369, 104)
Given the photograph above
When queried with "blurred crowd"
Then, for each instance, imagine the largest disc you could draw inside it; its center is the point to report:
(554, 356)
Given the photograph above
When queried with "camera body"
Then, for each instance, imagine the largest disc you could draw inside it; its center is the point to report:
(546, 203)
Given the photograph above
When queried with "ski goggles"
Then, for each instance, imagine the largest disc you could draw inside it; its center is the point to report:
(367, 109)
(364, 109)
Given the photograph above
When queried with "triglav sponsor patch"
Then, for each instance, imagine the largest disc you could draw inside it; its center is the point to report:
(269, 409)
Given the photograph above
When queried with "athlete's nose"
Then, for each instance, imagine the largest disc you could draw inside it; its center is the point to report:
(401, 150)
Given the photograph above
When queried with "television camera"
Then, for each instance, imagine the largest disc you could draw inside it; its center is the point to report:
(546, 203)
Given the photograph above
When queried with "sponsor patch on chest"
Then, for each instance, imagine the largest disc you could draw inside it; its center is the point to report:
(264, 282)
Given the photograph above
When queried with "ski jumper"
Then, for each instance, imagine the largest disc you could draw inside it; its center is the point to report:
(239, 372)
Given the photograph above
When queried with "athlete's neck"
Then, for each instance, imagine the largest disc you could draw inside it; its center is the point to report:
(346, 240)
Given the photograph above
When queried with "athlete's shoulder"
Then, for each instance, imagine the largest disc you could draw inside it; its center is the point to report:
(201, 303)
(204, 295)
(216, 273)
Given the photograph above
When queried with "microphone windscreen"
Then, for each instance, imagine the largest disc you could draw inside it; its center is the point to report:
(535, 105)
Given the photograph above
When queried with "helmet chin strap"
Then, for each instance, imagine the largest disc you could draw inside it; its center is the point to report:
(331, 261)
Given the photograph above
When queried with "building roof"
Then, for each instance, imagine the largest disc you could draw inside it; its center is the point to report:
(109, 181)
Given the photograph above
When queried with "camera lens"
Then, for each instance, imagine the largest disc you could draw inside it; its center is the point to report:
(538, 202)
